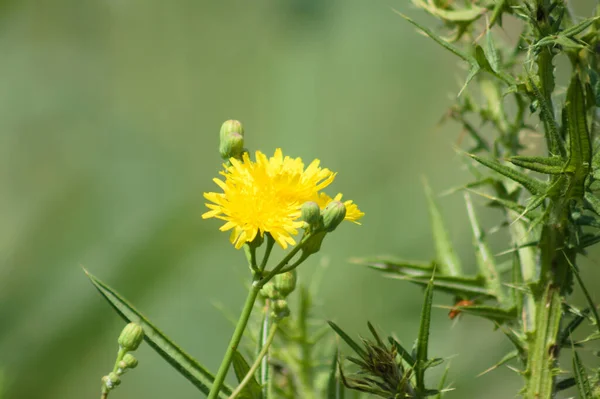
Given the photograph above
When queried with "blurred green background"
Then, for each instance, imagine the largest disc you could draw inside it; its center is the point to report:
(109, 119)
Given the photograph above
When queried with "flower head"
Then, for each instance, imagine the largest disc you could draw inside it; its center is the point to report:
(265, 196)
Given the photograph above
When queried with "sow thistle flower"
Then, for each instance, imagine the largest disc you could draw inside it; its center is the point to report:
(266, 196)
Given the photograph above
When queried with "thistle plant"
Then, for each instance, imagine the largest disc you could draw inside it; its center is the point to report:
(546, 193)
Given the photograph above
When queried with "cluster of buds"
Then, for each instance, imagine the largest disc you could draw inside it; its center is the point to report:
(130, 339)
(320, 222)
(276, 292)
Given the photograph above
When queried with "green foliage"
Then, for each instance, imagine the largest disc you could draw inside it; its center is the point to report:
(549, 201)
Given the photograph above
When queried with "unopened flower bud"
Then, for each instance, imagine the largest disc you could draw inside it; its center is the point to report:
(280, 309)
(313, 244)
(232, 146)
(129, 362)
(231, 139)
(111, 380)
(333, 214)
(268, 291)
(285, 283)
(311, 213)
(131, 337)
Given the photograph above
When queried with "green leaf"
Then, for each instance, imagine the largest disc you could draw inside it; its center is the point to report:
(445, 254)
(484, 256)
(423, 338)
(441, 384)
(548, 165)
(173, 354)
(572, 326)
(397, 266)
(457, 15)
(490, 312)
(534, 186)
(505, 359)
(252, 390)
(517, 281)
(473, 70)
(582, 381)
(578, 28)
(335, 388)
(586, 293)
(351, 343)
(553, 139)
(491, 53)
(580, 149)
(467, 287)
(404, 354)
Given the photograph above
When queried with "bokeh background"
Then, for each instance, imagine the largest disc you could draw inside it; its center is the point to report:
(109, 119)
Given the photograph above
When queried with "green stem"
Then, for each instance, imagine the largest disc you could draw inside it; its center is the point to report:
(256, 363)
(235, 339)
(257, 284)
(270, 243)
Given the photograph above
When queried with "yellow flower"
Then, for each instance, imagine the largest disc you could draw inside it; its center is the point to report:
(265, 196)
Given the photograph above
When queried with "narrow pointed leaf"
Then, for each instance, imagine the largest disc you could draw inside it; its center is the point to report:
(442, 383)
(485, 257)
(568, 330)
(351, 343)
(335, 388)
(505, 359)
(581, 379)
(467, 287)
(517, 281)
(456, 15)
(252, 390)
(445, 253)
(173, 354)
(423, 338)
(587, 295)
(578, 28)
(534, 186)
(490, 312)
(404, 354)
(553, 138)
(397, 266)
(547, 165)
(474, 65)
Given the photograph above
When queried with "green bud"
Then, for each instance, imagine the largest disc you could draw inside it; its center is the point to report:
(280, 309)
(231, 139)
(129, 362)
(111, 380)
(232, 146)
(268, 291)
(333, 214)
(131, 337)
(285, 283)
(311, 213)
(313, 244)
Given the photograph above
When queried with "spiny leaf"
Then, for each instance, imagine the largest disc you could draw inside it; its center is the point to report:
(490, 312)
(580, 151)
(397, 266)
(449, 263)
(464, 287)
(534, 186)
(567, 331)
(578, 28)
(547, 165)
(553, 138)
(351, 343)
(505, 359)
(173, 354)
(582, 381)
(485, 257)
(474, 65)
(252, 390)
(586, 293)
(423, 338)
